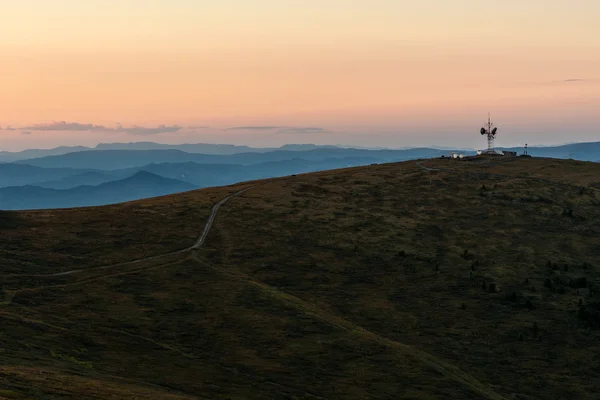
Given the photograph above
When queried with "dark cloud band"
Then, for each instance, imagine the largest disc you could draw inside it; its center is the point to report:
(77, 127)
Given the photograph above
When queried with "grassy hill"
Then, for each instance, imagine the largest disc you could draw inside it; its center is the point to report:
(471, 279)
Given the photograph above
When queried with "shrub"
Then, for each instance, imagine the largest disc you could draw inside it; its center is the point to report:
(529, 304)
(467, 256)
(578, 283)
(8, 220)
(590, 315)
(586, 265)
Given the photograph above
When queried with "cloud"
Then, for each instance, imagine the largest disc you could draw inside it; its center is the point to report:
(198, 127)
(140, 130)
(280, 129)
(78, 127)
(302, 130)
(66, 126)
(254, 128)
(575, 80)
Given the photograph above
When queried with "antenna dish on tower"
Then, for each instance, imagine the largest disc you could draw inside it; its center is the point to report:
(490, 130)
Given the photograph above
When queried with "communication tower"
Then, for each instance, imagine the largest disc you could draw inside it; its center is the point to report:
(490, 130)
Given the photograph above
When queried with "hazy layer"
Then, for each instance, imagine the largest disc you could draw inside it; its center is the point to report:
(385, 72)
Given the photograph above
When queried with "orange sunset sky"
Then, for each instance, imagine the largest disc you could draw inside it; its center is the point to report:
(264, 72)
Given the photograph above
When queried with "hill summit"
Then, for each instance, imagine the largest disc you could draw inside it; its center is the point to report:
(472, 279)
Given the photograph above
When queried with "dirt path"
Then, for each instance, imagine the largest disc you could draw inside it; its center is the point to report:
(420, 164)
(459, 376)
(195, 246)
(211, 219)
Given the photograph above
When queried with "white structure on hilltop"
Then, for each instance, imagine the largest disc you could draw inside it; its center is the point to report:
(456, 155)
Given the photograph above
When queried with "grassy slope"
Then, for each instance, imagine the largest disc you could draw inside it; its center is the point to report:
(341, 284)
(50, 241)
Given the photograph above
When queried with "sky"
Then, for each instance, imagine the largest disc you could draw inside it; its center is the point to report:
(390, 73)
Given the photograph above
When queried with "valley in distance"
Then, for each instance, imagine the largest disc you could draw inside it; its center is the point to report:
(110, 173)
(397, 275)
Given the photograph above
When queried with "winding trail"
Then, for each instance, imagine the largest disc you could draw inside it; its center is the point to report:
(438, 365)
(199, 242)
(211, 219)
(420, 164)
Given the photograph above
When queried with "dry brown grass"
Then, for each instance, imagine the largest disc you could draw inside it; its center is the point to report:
(27, 383)
(51, 241)
(364, 244)
(342, 284)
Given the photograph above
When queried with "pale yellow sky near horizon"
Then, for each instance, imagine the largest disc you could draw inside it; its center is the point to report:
(391, 72)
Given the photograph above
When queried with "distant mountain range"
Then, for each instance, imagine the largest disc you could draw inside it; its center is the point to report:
(120, 159)
(70, 176)
(199, 148)
(81, 178)
(586, 151)
(201, 175)
(8, 156)
(141, 185)
(23, 174)
(578, 151)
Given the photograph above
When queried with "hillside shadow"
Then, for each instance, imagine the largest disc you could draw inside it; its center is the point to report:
(9, 220)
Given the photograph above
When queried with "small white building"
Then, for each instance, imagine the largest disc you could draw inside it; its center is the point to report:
(495, 152)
